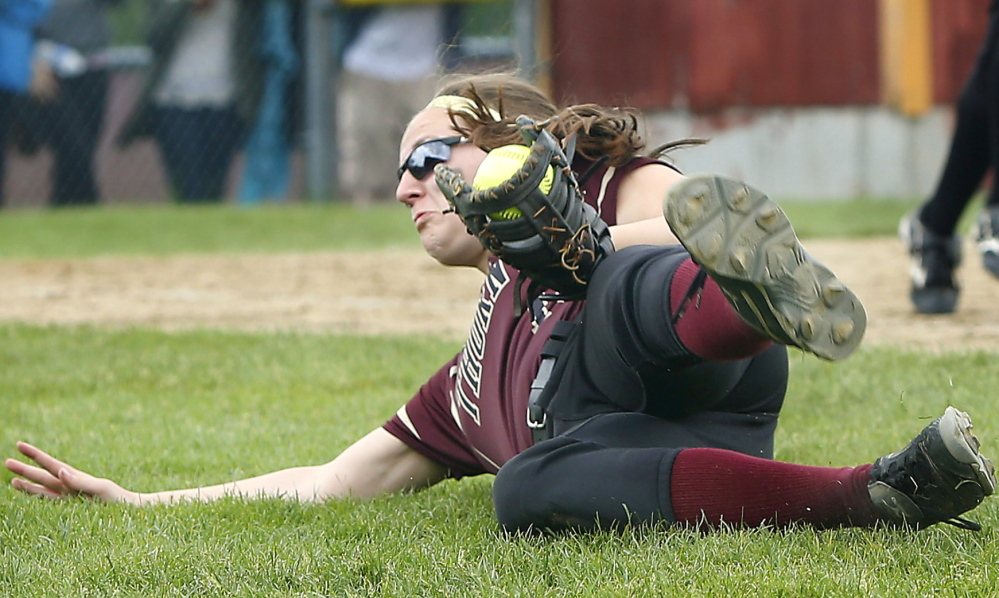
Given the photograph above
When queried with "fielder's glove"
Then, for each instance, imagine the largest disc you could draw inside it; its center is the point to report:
(553, 237)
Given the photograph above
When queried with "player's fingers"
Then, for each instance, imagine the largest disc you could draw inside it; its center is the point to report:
(36, 475)
(63, 479)
(35, 489)
(42, 458)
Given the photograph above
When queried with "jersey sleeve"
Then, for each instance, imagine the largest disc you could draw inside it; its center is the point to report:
(426, 425)
(601, 185)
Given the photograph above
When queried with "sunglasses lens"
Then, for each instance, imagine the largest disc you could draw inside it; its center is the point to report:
(421, 172)
(425, 156)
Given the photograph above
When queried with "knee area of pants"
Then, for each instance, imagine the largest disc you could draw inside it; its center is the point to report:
(521, 493)
(514, 496)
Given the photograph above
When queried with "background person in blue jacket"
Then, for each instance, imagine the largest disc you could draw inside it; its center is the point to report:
(17, 21)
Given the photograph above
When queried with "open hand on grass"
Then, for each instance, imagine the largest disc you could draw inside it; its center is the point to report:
(54, 479)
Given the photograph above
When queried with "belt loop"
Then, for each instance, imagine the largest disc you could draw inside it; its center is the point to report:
(541, 393)
(537, 416)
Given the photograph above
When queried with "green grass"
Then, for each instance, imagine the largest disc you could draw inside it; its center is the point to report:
(160, 230)
(851, 218)
(156, 410)
(857, 217)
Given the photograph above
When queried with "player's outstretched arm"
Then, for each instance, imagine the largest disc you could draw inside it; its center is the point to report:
(377, 464)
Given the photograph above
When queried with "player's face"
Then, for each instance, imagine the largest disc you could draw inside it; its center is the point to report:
(443, 235)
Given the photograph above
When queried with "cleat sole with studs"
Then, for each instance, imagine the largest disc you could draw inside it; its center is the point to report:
(747, 245)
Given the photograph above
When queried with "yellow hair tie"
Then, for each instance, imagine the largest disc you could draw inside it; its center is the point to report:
(460, 105)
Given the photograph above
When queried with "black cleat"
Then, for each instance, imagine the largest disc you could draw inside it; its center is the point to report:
(745, 243)
(937, 477)
(934, 259)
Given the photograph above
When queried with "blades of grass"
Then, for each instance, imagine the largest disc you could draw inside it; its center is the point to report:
(162, 230)
(156, 409)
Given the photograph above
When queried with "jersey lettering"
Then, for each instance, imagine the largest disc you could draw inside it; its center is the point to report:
(468, 380)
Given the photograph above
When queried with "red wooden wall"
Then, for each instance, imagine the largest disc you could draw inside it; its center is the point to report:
(710, 54)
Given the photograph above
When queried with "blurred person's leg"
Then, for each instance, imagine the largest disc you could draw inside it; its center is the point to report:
(76, 123)
(992, 101)
(969, 154)
(930, 231)
(175, 131)
(986, 232)
(197, 147)
(367, 162)
(221, 133)
(267, 144)
(407, 98)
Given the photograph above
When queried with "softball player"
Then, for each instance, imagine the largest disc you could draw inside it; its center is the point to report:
(655, 399)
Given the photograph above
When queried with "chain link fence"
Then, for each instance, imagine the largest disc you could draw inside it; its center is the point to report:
(206, 101)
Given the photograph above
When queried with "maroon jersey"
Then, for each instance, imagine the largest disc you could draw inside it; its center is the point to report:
(471, 416)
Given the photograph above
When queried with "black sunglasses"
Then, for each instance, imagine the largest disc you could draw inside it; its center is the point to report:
(424, 157)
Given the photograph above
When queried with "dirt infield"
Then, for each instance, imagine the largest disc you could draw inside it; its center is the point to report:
(382, 292)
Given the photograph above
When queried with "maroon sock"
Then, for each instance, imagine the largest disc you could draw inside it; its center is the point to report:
(712, 486)
(707, 325)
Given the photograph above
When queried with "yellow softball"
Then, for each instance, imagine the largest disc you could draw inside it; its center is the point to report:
(499, 165)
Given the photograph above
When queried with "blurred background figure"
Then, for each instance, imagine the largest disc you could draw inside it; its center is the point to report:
(929, 232)
(268, 147)
(68, 97)
(391, 57)
(202, 92)
(836, 106)
(17, 21)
